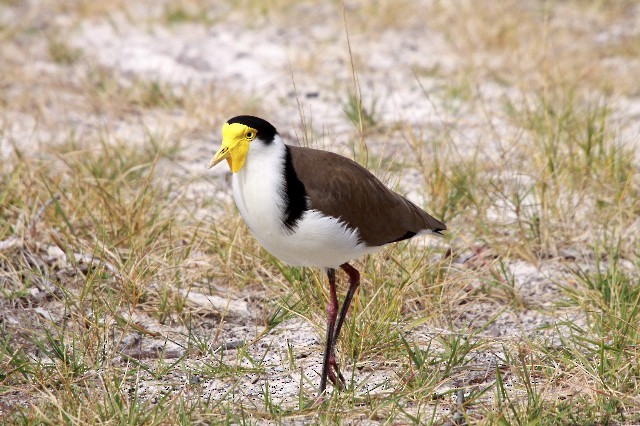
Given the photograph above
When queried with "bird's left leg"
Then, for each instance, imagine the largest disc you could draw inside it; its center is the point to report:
(332, 312)
(354, 283)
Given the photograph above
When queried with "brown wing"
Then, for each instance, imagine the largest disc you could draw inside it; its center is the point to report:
(341, 188)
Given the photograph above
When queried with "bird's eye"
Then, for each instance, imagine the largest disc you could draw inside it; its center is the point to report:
(250, 135)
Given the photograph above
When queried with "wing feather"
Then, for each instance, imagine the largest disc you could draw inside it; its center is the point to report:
(341, 188)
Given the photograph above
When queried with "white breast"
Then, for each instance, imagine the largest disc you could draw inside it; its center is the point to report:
(317, 240)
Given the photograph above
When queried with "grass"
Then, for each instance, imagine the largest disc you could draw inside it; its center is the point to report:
(61, 53)
(528, 307)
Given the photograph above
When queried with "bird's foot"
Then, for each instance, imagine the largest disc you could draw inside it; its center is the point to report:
(334, 374)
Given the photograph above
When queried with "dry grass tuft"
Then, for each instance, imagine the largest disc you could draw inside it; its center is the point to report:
(131, 292)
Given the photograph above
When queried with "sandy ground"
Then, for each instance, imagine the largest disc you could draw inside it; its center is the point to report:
(256, 64)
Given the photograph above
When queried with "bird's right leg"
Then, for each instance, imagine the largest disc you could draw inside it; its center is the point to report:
(332, 313)
(354, 283)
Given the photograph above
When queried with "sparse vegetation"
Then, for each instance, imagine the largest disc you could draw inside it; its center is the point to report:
(131, 292)
(63, 54)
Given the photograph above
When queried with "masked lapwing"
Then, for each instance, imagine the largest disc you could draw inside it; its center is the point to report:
(314, 208)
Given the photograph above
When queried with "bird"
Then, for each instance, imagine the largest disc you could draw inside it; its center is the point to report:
(315, 208)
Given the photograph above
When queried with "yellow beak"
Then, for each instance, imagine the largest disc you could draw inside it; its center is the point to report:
(223, 152)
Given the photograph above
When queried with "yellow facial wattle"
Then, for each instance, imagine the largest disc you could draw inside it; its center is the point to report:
(235, 145)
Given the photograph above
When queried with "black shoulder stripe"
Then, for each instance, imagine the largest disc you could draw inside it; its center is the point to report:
(296, 195)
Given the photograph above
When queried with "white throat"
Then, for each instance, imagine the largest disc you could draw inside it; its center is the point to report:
(257, 185)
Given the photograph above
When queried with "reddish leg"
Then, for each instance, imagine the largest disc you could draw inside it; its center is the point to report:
(330, 367)
(332, 312)
(354, 282)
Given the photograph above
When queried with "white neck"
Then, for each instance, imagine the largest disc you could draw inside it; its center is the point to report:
(254, 185)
